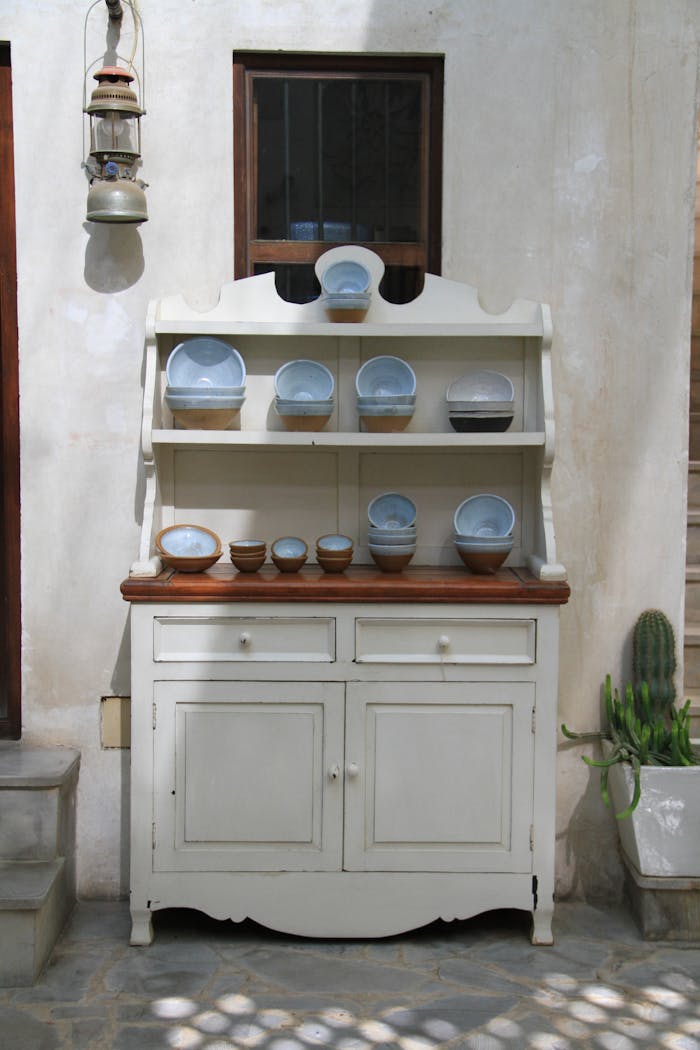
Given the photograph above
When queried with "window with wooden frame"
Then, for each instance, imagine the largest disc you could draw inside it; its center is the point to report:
(333, 149)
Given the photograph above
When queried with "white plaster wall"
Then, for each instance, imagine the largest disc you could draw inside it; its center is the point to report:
(569, 178)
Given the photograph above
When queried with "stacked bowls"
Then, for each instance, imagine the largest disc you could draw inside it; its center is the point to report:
(304, 394)
(188, 548)
(484, 532)
(247, 555)
(289, 553)
(345, 291)
(386, 394)
(481, 401)
(391, 532)
(334, 552)
(205, 384)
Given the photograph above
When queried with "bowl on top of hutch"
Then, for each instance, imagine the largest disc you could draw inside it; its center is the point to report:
(307, 747)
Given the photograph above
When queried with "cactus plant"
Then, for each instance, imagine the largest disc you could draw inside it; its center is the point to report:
(654, 659)
(644, 727)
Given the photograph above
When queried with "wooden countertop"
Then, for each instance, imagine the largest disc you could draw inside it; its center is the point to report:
(359, 583)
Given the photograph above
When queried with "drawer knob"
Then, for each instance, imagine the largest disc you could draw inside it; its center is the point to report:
(334, 772)
(353, 770)
(245, 639)
(443, 643)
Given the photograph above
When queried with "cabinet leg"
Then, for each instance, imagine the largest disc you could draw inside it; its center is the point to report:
(542, 926)
(141, 927)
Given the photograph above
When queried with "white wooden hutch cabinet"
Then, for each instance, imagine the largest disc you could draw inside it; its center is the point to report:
(346, 755)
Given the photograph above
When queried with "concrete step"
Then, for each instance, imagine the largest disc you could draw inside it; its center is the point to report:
(35, 903)
(37, 855)
(694, 696)
(694, 484)
(691, 657)
(37, 802)
(692, 594)
(693, 538)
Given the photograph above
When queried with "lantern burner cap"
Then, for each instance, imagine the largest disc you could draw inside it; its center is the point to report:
(113, 73)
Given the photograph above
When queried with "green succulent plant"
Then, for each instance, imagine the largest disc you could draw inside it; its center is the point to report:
(639, 735)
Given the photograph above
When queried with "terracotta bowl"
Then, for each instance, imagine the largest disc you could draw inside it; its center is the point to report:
(345, 315)
(305, 423)
(391, 562)
(288, 564)
(248, 562)
(385, 424)
(184, 564)
(247, 547)
(206, 418)
(334, 562)
(484, 563)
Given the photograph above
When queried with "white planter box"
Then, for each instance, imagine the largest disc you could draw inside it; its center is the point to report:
(662, 835)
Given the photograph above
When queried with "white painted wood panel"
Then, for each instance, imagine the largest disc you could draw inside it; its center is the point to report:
(242, 776)
(444, 640)
(439, 778)
(246, 639)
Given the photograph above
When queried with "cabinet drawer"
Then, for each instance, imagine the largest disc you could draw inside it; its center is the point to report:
(451, 641)
(246, 639)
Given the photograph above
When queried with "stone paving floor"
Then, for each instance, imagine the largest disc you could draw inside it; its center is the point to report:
(477, 984)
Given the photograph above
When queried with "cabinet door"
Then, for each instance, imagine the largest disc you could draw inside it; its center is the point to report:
(439, 777)
(246, 776)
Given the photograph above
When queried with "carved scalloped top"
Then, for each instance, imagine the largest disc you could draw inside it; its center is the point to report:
(254, 300)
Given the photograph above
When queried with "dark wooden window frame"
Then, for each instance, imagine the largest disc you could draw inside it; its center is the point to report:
(247, 250)
(10, 623)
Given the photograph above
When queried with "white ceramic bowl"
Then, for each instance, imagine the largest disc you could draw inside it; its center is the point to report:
(176, 403)
(334, 542)
(391, 510)
(305, 408)
(409, 532)
(188, 541)
(385, 375)
(289, 547)
(205, 362)
(386, 410)
(205, 391)
(482, 385)
(484, 515)
(485, 543)
(370, 401)
(346, 277)
(304, 380)
(388, 539)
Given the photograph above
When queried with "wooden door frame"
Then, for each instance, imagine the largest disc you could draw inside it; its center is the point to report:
(10, 621)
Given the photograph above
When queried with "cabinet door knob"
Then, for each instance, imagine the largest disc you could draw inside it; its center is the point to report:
(443, 643)
(353, 769)
(334, 772)
(245, 638)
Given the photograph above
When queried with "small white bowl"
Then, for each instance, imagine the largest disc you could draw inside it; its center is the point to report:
(346, 276)
(484, 515)
(203, 361)
(289, 547)
(386, 539)
(304, 380)
(482, 385)
(334, 542)
(391, 510)
(385, 375)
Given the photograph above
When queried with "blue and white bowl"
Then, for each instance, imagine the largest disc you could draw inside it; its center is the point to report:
(205, 362)
(346, 277)
(484, 515)
(385, 376)
(391, 510)
(304, 380)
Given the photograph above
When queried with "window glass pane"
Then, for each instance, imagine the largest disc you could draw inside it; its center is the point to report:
(338, 159)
